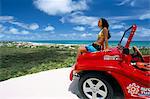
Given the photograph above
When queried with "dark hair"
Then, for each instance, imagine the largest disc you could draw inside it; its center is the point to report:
(105, 24)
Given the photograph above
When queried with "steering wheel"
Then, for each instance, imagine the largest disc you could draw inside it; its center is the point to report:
(137, 53)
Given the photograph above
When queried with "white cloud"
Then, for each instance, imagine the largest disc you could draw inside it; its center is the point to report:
(117, 26)
(79, 19)
(6, 18)
(133, 3)
(116, 19)
(58, 7)
(11, 30)
(18, 24)
(143, 32)
(141, 16)
(25, 32)
(95, 28)
(140, 34)
(64, 35)
(145, 16)
(79, 28)
(127, 2)
(120, 33)
(90, 21)
(69, 35)
(2, 28)
(86, 35)
(123, 2)
(49, 28)
(33, 26)
(11, 20)
(16, 31)
(75, 36)
(84, 20)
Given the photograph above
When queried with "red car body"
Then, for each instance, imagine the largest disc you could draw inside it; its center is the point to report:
(133, 82)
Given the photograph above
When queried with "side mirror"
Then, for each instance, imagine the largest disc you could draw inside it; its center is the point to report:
(126, 51)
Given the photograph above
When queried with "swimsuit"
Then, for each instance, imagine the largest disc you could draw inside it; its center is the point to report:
(94, 47)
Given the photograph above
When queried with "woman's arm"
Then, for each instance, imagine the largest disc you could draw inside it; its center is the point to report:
(105, 31)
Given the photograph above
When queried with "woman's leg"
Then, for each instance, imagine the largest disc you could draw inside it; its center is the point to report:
(81, 50)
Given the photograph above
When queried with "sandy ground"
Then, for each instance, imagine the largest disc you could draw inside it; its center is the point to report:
(52, 84)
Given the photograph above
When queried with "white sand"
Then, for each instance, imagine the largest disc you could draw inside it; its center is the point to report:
(52, 84)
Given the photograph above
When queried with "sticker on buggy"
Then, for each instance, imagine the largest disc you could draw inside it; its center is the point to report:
(135, 89)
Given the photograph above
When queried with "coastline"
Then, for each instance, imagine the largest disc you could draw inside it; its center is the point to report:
(34, 45)
(139, 44)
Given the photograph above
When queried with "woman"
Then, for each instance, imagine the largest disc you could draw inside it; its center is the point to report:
(102, 40)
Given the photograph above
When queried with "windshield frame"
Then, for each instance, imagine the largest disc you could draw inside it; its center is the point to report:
(129, 39)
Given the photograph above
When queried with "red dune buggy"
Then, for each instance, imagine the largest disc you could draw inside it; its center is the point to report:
(106, 75)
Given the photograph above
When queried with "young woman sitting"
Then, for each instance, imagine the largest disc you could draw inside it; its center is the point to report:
(102, 40)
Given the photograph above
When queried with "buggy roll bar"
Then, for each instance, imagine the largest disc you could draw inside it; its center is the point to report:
(133, 29)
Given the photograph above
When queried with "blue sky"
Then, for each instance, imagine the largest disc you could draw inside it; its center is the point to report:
(71, 19)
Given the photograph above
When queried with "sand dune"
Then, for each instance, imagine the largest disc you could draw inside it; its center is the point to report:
(52, 84)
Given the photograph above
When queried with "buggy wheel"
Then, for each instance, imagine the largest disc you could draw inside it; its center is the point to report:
(94, 86)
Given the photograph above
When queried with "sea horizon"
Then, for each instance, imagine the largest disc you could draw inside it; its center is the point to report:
(111, 43)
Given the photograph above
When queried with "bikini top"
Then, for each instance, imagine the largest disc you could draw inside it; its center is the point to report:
(101, 34)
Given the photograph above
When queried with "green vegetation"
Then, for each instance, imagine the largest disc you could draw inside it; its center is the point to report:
(144, 51)
(21, 61)
(18, 61)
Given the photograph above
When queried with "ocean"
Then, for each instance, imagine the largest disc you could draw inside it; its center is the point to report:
(111, 43)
